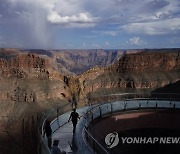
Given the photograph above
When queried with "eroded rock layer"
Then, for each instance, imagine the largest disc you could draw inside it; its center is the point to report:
(133, 72)
(31, 82)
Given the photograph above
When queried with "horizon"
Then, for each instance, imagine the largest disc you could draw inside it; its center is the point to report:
(89, 49)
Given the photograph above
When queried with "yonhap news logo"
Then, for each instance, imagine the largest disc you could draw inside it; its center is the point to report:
(112, 140)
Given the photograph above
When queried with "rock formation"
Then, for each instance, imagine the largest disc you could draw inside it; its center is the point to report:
(29, 85)
(79, 61)
(142, 71)
(31, 81)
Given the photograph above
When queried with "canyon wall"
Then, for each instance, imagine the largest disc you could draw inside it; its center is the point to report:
(30, 81)
(79, 61)
(144, 71)
(29, 85)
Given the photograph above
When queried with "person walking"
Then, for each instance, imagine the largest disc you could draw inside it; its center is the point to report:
(48, 132)
(74, 118)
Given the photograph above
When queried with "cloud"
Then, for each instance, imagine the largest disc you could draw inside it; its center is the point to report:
(80, 13)
(136, 41)
(39, 23)
(81, 19)
(90, 36)
(154, 5)
(163, 14)
(96, 45)
(148, 17)
(167, 26)
(111, 33)
(24, 24)
(108, 32)
(62, 12)
(107, 44)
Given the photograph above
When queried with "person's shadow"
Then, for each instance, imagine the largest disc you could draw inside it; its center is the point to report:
(73, 145)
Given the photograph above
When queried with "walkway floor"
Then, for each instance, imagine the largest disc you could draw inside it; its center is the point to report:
(72, 144)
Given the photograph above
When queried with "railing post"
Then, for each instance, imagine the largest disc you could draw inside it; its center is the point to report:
(92, 117)
(156, 100)
(139, 103)
(111, 109)
(174, 105)
(125, 105)
(100, 112)
(156, 105)
(171, 98)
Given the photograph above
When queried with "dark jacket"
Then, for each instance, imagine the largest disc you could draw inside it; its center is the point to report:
(48, 129)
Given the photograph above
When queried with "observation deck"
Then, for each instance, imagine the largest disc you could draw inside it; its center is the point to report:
(86, 139)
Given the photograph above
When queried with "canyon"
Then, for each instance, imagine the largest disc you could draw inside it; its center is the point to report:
(140, 72)
(34, 83)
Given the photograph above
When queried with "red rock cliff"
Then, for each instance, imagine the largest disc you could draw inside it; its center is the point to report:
(145, 70)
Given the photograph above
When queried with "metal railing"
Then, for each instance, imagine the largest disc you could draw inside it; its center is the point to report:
(95, 143)
(53, 117)
(127, 101)
(104, 105)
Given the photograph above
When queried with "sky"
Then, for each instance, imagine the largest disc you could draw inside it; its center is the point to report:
(90, 24)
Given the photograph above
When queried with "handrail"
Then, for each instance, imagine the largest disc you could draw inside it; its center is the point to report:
(172, 105)
(43, 125)
(96, 141)
(123, 94)
(98, 105)
(42, 128)
(60, 126)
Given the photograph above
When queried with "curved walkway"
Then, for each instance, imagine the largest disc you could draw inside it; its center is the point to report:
(75, 143)
(67, 141)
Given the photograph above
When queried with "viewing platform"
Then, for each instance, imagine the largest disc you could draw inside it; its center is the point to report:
(86, 140)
